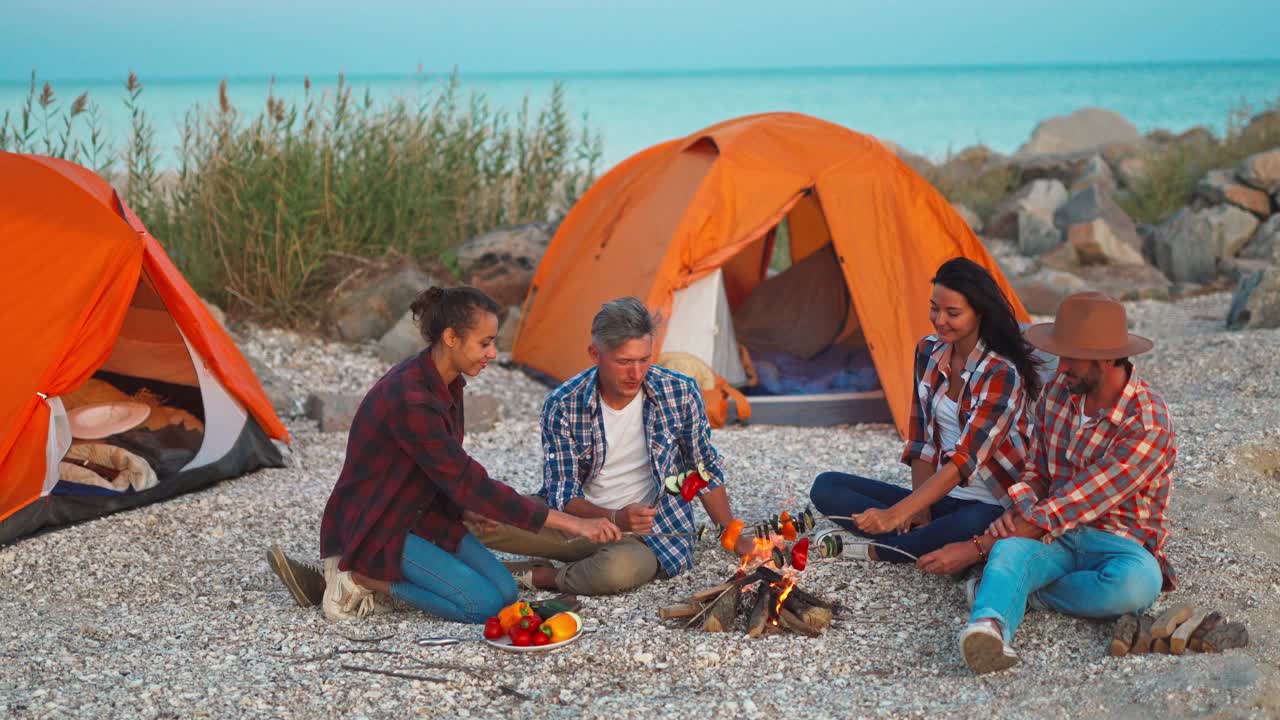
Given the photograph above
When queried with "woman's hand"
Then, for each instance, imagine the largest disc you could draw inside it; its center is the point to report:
(877, 521)
(920, 519)
(478, 525)
(598, 530)
(949, 559)
(1005, 526)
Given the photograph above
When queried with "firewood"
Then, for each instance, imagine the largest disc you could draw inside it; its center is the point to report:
(722, 612)
(1196, 642)
(710, 593)
(770, 576)
(788, 620)
(758, 620)
(815, 616)
(1142, 641)
(1225, 637)
(1178, 640)
(1160, 646)
(1123, 637)
(679, 610)
(1170, 619)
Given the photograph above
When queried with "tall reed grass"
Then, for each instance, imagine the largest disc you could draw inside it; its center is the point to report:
(269, 211)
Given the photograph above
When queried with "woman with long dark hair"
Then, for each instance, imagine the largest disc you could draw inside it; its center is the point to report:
(396, 522)
(974, 380)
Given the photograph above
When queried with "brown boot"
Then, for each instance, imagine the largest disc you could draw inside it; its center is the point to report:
(305, 582)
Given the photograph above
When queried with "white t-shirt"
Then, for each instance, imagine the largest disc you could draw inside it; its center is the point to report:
(626, 476)
(947, 414)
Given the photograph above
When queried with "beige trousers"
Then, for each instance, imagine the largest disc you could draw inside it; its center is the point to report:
(590, 569)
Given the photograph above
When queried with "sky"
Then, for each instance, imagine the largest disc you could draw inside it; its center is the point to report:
(86, 39)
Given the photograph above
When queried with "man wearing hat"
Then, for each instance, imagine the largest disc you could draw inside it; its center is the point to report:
(1087, 530)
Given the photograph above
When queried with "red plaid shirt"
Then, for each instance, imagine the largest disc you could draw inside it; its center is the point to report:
(1113, 474)
(406, 471)
(993, 419)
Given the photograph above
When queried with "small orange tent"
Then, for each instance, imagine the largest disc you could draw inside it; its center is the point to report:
(86, 292)
(676, 212)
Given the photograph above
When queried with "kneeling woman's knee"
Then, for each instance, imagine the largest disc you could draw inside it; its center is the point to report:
(484, 604)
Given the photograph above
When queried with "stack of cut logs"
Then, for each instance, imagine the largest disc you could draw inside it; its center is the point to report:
(1175, 631)
(769, 601)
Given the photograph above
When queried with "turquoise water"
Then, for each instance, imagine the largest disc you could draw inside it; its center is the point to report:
(929, 110)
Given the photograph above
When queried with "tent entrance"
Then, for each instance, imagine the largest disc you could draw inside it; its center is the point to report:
(807, 361)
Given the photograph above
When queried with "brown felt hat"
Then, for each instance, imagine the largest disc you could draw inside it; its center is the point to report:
(1088, 326)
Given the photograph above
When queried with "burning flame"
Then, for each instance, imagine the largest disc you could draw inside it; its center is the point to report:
(761, 552)
(787, 586)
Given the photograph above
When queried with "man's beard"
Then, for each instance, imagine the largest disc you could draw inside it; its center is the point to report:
(1080, 386)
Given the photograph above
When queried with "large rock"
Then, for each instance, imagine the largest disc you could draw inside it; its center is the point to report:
(482, 413)
(1126, 282)
(506, 338)
(368, 313)
(1131, 171)
(1265, 244)
(1063, 168)
(1096, 171)
(1261, 170)
(501, 263)
(1189, 244)
(1037, 194)
(276, 387)
(1083, 130)
(401, 341)
(1220, 187)
(333, 411)
(1256, 303)
(1093, 202)
(1042, 291)
(1036, 232)
(1097, 243)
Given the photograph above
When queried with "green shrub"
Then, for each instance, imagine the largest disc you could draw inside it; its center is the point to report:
(1173, 169)
(267, 213)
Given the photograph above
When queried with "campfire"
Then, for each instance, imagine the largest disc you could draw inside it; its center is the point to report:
(763, 590)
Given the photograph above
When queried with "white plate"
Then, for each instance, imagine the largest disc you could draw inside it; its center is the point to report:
(504, 643)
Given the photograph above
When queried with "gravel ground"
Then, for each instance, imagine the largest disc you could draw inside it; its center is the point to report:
(171, 610)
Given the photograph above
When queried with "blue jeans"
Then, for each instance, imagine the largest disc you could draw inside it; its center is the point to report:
(467, 586)
(1086, 572)
(951, 520)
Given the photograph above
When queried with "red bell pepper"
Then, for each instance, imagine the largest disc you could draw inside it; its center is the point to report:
(800, 554)
(693, 482)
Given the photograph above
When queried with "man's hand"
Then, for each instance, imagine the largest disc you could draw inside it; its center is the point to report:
(598, 530)
(949, 559)
(1005, 526)
(478, 525)
(878, 522)
(636, 518)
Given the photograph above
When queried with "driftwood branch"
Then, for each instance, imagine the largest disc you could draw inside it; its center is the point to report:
(394, 674)
(722, 612)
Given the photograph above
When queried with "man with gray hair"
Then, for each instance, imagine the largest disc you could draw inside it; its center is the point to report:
(610, 435)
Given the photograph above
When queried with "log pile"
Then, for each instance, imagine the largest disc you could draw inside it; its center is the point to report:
(764, 599)
(1175, 631)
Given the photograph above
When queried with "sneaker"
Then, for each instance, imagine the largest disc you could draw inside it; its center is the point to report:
(305, 581)
(345, 599)
(522, 571)
(984, 649)
(971, 590)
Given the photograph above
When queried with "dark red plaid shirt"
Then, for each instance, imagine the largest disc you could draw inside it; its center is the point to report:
(406, 472)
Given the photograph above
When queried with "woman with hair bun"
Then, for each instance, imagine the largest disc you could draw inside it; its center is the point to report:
(394, 523)
(974, 380)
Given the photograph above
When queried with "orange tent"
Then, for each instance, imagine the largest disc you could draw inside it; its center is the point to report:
(87, 293)
(676, 212)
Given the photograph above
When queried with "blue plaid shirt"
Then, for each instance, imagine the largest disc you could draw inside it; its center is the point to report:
(679, 437)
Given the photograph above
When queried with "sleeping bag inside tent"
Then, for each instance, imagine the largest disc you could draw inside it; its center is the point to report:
(698, 227)
(120, 388)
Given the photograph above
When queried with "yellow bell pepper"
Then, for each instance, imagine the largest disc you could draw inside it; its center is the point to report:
(562, 625)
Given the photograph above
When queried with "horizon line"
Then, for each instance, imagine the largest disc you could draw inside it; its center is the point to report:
(640, 72)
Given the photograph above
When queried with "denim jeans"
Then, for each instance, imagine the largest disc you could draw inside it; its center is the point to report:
(467, 586)
(951, 520)
(1086, 572)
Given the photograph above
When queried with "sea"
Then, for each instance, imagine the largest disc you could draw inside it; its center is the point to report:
(932, 111)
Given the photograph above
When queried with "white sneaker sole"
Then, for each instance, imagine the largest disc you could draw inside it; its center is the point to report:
(984, 653)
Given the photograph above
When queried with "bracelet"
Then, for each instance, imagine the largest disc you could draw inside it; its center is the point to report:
(613, 517)
(982, 554)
